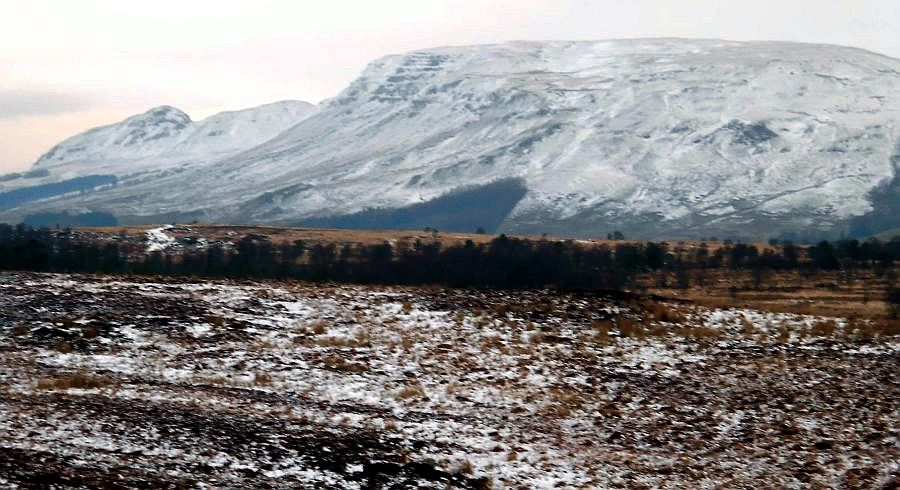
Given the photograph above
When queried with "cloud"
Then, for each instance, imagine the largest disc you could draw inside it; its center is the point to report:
(23, 103)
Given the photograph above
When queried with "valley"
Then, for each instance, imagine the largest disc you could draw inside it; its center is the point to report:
(626, 264)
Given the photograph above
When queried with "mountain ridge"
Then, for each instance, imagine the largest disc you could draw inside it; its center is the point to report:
(167, 123)
(161, 141)
(664, 137)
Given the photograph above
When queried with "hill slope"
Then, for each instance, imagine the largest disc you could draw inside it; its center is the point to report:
(657, 137)
(142, 148)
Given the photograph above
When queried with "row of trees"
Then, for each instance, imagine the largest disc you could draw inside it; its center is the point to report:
(786, 256)
(504, 262)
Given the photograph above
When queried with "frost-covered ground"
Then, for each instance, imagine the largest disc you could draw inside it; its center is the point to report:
(123, 382)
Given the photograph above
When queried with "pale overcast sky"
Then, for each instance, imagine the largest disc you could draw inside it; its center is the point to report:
(68, 65)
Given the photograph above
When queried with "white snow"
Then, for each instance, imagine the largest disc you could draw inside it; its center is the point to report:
(674, 128)
(157, 240)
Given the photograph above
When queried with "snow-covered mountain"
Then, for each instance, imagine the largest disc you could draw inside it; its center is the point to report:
(168, 134)
(158, 142)
(658, 137)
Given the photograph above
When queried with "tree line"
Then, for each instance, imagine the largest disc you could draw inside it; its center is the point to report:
(504, 262)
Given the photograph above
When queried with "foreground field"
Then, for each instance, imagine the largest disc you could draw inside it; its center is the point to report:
(121, 382)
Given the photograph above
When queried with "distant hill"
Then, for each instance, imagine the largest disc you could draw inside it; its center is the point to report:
(659, 138)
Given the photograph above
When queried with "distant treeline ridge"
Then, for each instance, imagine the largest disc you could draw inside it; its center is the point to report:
(504, 262)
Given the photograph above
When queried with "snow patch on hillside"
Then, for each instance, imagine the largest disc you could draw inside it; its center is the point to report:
(157, 240)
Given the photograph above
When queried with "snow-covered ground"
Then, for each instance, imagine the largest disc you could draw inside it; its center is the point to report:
(157, 240)
(280, 384)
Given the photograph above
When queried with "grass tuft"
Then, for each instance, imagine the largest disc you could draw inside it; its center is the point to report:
(413, 391)
(79, 380)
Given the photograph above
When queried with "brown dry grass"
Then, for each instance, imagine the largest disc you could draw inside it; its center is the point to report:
(630, 328)
(319, 327)
(601, 330)
(359, 339)
(79, 380)
(823, 294)
(337, 363)
(824, 329)
(701, 333)
(561, 403)
(406, 308)
(414, 391)
(465, 467)
(215, 320)
(312, 236)
(662, 313)
(867, 330)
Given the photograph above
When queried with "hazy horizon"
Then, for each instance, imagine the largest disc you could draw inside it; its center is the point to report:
(66, 68)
